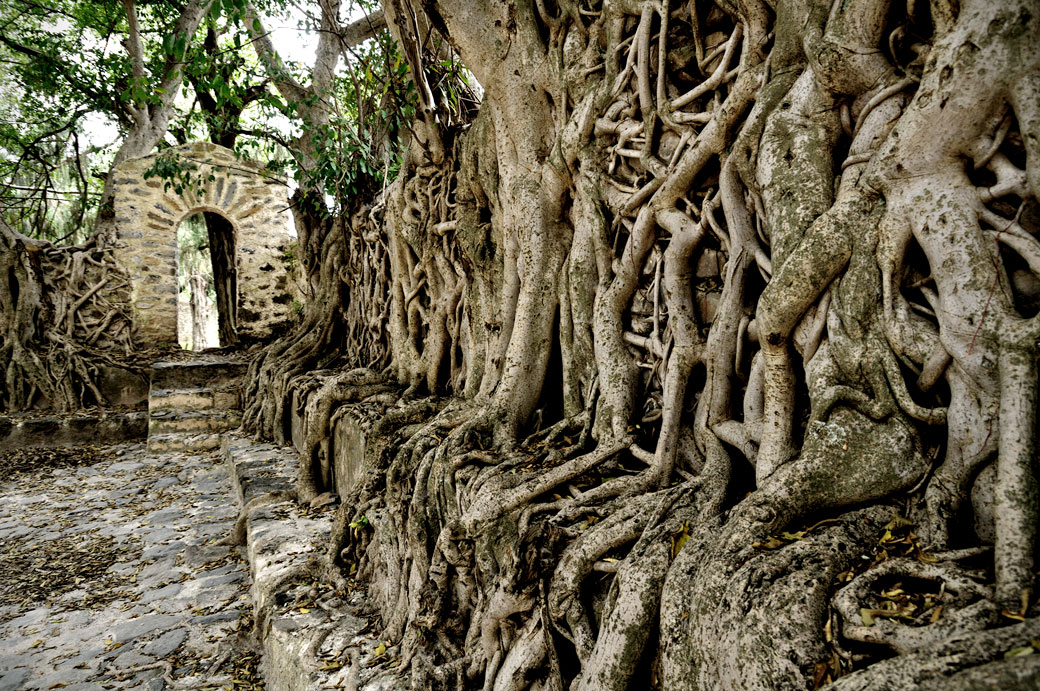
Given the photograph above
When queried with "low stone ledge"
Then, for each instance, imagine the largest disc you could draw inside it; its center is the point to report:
(106, 427)
(344, 450)
(349, 443)
(256, 468)
(311, 637)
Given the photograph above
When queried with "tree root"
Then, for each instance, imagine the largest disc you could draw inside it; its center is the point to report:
(959, 662)
(237, 536)
(847, 332)
(966, 606)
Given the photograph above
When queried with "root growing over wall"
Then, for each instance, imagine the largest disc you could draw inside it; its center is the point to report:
(708, 339)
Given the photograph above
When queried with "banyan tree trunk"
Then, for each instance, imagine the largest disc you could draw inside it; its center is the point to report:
(199, 310)
(785, 257)
(225, 275)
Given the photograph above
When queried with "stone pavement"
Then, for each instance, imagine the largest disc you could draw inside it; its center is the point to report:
(111, 578)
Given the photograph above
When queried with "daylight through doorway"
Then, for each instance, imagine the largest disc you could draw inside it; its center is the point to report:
(197, 305)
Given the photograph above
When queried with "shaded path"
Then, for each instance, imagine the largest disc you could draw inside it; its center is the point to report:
(110, 577)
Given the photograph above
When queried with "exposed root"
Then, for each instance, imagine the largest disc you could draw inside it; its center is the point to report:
(961, 605)
(693, 275)
(237, 536)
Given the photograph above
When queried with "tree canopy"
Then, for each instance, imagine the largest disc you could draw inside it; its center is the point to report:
(160, 73)
(695, 343)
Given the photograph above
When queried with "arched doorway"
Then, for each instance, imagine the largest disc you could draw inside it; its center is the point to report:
(206, 282)
(249, 235)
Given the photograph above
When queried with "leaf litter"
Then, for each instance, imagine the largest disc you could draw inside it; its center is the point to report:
(36, 571)
(37, 461)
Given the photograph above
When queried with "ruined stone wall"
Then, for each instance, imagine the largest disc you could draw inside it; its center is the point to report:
(147, 215)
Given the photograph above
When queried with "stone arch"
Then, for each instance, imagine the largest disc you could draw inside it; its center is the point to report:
(243, 192)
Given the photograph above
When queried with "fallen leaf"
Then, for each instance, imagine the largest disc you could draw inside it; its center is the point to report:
(771, 543)
(898, 521)
(869, 615)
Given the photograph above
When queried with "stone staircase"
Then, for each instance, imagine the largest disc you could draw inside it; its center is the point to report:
(191, 404)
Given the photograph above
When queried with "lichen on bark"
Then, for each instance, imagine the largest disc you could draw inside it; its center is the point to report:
(713, 310)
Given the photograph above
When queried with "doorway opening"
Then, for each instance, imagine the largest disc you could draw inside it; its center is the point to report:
(206, 282)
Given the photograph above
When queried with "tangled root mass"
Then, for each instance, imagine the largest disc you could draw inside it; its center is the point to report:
(703, 356)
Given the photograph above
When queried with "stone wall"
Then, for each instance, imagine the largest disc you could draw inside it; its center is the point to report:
(147, 216)
(107, 427)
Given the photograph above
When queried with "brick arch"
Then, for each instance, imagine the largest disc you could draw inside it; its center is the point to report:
(147, 217)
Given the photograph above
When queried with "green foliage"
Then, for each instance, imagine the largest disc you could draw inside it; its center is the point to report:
(359, 525)
(178, 173)
(224, 74)
(289, 257)
(65, 80)
(360, 148)
(53, 77)
(64, 73)
(46, 190)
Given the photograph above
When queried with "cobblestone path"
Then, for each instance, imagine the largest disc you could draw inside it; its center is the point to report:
(111, 578)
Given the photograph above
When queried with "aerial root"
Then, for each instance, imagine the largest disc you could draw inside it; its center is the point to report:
(237, 536)
(959, 604)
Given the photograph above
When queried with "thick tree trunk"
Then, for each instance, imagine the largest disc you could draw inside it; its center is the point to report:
(199, 311)
(772, 263)
(225, 276)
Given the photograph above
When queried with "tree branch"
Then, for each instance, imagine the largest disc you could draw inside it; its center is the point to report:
(291, 89)
(135, 49)
(362, 29)
(187, 24)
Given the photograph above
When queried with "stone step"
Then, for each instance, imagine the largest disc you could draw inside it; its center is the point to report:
(107, 427)
(192, 399)
(170, 421)
(258, 468)
(178, 441)
(282, 541)
(212, 372)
